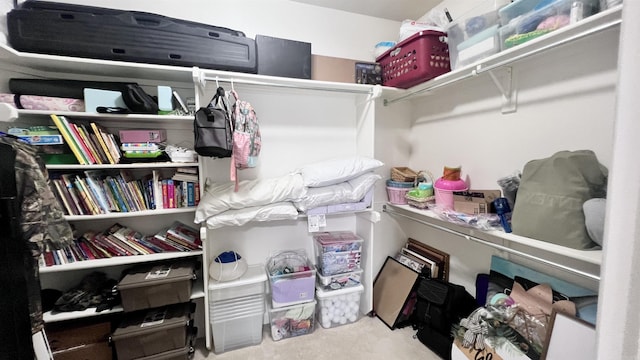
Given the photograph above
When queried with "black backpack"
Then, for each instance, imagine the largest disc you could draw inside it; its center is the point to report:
(213, 129)
(439, 305)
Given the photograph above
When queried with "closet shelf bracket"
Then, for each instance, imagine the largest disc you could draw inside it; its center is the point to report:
(504, 84)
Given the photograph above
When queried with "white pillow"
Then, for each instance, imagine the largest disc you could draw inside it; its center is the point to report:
(335, 171)
(346, 192)
(218, 198)
(277, 211)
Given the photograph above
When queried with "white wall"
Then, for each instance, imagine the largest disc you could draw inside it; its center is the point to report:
(330, 32)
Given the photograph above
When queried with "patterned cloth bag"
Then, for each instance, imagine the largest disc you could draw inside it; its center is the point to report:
(246, 137)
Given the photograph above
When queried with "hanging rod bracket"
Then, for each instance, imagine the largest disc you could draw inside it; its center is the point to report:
(504, 83)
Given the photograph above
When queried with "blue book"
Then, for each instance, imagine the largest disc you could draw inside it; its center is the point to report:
(191, 194)
(116, 194)
(96, 189)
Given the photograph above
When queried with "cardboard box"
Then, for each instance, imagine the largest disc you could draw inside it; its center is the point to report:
(75, 335)
(327, 68)
(475, 201)
(95, 351)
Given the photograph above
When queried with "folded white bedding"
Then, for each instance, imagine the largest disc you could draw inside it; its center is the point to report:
(218, 198)
(277, 211)
(346, 192)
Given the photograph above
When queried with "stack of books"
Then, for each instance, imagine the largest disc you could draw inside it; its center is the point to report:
(119, 240)
(90, 143)
(104, 191)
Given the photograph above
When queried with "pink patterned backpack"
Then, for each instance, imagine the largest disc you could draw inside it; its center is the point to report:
(246, 137)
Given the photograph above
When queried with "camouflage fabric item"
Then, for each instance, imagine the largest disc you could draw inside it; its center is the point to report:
(41, 219)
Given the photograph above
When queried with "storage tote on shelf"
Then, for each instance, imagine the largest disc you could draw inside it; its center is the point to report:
(545, 17)
(292, 278)
(339, 307)
(158, 284)
(153, 331)
(337, 251)
(421, 57)
(397, 191)
(237, 310)
(474, 35)
(339, 281)
(292, 321)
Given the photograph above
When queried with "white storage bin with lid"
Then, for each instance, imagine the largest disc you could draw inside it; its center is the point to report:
(237, 331)
(237, 310)
(339, 307)
(252, 282)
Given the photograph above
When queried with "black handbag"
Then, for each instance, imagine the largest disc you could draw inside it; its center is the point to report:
(213, 129)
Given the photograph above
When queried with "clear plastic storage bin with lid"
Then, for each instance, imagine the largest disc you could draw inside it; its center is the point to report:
(337, 251)
(474, 34)
(292, 278)
(292, 321)
(545, 17)
(339, 281)
(339, 307)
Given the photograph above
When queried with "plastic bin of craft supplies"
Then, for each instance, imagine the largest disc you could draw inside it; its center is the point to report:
(292, 278)
(545, 17)
(420, 57)
(337, 251)
(474, 35)
(339, 307)
(338, 281)
(292, 321)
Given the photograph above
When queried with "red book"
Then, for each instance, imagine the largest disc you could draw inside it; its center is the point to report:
(84, 148)
(161, 244)
(171, 195)
(48, 258)
(165, 194)
(85, 248)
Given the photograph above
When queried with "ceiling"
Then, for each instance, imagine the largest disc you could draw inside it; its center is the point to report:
(396, 10)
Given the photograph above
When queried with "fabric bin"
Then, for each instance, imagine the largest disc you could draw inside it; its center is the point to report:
(150, 332)
(154, 285)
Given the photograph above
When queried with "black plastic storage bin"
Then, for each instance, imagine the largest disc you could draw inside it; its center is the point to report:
(154, 332)
(101, 33)
(157, 284)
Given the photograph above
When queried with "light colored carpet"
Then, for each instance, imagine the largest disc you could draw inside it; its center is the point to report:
(368, 338)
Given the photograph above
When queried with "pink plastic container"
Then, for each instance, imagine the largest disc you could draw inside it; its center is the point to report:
(444, 191)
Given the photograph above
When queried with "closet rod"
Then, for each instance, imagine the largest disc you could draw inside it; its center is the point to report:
(369, 91)
(494, 245)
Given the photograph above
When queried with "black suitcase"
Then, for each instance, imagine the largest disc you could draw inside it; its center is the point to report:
(101, 33)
